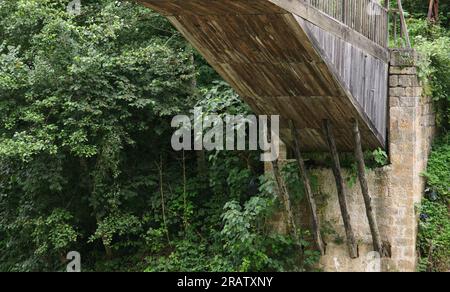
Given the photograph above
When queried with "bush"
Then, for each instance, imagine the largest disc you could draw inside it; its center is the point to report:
(438, 170)
(434, 231)
(433, 44)
(434, 237)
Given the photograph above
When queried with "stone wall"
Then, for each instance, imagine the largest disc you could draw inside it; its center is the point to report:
(395, 189)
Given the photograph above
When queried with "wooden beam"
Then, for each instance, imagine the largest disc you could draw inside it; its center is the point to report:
(351, 243)
(315, 223)
(376, 238)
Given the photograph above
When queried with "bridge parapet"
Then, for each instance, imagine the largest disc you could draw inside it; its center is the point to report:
(367, 17)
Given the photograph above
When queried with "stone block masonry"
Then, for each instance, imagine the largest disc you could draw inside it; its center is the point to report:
(396, 189)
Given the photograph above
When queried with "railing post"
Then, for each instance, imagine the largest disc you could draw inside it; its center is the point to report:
(405, 32)
(387, 4)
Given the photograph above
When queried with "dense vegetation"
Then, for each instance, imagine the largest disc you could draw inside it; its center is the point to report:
(86, 163)
(433, 43)
(434, 238)
(85, 158)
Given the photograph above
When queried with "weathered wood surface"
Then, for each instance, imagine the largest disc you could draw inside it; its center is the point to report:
(404, 25)
(342, 197)
(365, 76)
(315, 222)
(376, 237)
(284, 197)
(300, 68)
(364, 16)
(313, 15)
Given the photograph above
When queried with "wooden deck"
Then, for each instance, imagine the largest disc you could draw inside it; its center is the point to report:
(306, 60)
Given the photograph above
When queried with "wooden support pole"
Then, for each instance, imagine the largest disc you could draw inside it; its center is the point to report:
(433, 11)
(283, 193)
(430, 10)
(284, 196)
(376, 238)
(395, 28)
(315, 223)
(353, 251)
(404, 26)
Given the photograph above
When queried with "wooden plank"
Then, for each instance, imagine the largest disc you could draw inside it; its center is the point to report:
(214, 7)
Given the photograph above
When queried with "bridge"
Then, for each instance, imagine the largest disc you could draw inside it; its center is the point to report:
(324, 66)
(306, 60)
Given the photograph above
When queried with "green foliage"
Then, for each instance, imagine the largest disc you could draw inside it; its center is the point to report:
(188, 255)
(85, 108)
(438, 170)
(434, 231)
(380, 156)
(116, 224)
(85, 156)
(220, 98)
(294, 184)
(434, 238)
(243, 242)
(54, 233)
(418, 9)
(433, 44)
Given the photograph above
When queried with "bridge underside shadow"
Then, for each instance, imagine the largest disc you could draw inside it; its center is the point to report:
(288, 58)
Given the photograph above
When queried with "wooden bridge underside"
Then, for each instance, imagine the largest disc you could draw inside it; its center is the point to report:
(283, 63)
